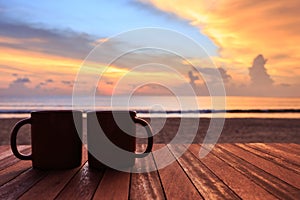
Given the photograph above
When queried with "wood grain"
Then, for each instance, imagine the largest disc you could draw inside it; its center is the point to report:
(114, 185)
(16, 187)
(13, 171)
(9, 159)
(295, 147)
(175, 182)
(285, 151)
(53, 182)
(50, 185)
(236, 181)
(145, 185)
(270, 183)
(83, 185)
(206, 182)
(229, 171)
(4, 151)
(278, 171)
(279, 160)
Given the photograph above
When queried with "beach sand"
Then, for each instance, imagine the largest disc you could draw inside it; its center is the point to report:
(234, 130)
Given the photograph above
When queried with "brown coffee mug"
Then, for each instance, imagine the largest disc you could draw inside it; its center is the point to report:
(111, 138)
(55, 139)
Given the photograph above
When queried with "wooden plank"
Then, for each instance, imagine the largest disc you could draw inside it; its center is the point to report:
(55, 180)
(289, 148)
(175, 182)
(113, 185)
(13, 171)
(16, 187)
(82, 185)
(235, 180)
(4, 148)
(284, 174)
(8, 153)
(11, 159)
(206, 182)
(277, 160)
(294, 146)
(277, 152)
(276, 186)
(4, 151)
(145, 185)
(51, 185)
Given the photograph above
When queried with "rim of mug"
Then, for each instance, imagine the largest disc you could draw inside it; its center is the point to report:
(55, 111)
(111, 111)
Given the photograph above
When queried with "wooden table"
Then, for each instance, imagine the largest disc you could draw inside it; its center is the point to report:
(230, 171)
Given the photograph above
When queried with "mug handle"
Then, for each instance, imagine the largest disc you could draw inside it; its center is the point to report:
(13, 139)
(147, 126)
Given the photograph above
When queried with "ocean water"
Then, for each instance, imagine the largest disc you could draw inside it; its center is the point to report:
(159, 106)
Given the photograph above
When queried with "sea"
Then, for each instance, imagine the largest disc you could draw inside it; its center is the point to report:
(159, 106)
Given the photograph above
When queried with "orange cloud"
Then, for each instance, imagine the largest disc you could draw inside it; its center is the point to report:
(10, 40)
(37, 61)
(39, 66)
(244, 29)
(116, 80)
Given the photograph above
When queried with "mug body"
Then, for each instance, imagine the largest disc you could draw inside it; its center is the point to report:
(111, 135)
(56, 140)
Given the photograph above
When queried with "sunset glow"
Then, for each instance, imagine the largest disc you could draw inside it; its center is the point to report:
(43, 56)
(243, 30)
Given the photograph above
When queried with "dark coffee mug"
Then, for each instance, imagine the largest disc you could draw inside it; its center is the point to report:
(55, 141)
(111, 138)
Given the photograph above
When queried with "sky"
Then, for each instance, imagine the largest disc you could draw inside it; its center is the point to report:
(253, 45)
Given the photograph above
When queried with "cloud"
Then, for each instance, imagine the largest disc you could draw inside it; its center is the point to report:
(44, 83)
(21, 87)
(225, 76)
(222, 21)
(23, 36)
(21, 81)
(41, 84)
(68, 83)
(258, 72)
(153, 89)
(192, 78)
(37, 51)
(49, 81)
(261, 83)
(242, 29)
(17, 87)
(109, 82)
(285, 85)
(211, 74)
(212, 77)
